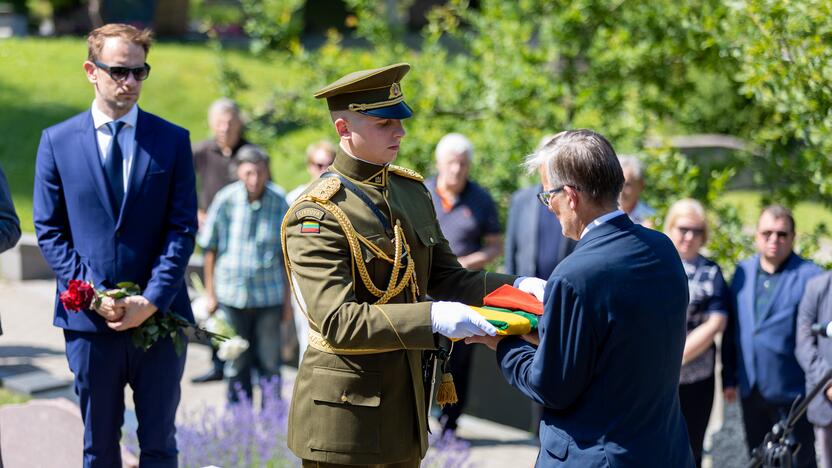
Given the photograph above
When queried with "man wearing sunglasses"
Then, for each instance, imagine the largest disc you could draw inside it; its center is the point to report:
(115, 200)
(759, 344)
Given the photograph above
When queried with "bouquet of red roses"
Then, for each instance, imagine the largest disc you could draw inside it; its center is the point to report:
(81, 295)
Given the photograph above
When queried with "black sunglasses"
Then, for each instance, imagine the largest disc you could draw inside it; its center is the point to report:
(121, 73)
(696, 232)
(780, 234)
(544, 197)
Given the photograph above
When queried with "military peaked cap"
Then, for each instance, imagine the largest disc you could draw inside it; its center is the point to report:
(375, 92)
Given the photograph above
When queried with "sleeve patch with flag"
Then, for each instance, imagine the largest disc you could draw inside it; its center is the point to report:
(310, 227)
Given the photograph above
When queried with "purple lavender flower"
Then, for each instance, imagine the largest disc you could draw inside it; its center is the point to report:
(238, 435)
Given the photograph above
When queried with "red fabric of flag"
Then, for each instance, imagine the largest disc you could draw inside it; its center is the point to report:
(509, 297)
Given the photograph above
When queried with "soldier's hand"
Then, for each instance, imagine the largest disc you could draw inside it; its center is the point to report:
(531, 285)
(457, 320)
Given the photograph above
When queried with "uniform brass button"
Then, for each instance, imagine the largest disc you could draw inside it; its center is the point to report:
(344, 398)
(431, 239)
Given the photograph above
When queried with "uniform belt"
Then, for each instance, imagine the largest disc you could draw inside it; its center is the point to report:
(317, 341)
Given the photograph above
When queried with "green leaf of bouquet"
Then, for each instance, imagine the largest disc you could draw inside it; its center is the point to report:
(126, 284)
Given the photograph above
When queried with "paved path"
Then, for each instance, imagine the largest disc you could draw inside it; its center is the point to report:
(30, 341)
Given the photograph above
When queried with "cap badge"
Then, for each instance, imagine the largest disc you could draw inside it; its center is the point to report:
(395, 91)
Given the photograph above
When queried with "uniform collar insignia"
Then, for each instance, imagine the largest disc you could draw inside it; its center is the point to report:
(360, 171)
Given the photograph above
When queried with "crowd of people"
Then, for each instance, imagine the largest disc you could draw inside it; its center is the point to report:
(371, 263)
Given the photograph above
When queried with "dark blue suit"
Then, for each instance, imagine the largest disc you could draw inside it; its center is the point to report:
(761, 356)
(147, 240)
(611, 341)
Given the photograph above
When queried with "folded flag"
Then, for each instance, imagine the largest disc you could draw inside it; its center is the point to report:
(507, 322)
(509, 297)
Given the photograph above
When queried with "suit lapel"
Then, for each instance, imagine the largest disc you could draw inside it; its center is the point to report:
(88, 143)
(141, 161)
(749, 296)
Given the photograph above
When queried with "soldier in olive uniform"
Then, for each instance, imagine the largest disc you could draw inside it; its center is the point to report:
(364, 250)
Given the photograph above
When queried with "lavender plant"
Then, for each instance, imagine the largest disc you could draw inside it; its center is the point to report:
(447, 451)
(237, 436)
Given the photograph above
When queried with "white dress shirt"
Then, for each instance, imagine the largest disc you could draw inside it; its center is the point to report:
(126, 137)
(601, 220)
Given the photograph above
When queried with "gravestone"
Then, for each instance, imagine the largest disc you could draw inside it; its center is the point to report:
(45, 434)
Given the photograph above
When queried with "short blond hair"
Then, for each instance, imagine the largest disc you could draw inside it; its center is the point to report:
(324, 145)
(686, 207)
(96, 38)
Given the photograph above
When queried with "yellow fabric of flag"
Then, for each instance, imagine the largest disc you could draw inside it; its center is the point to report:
(514, 324)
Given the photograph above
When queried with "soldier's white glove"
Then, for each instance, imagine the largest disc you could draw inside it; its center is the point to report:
(531, 285)
(457, 320)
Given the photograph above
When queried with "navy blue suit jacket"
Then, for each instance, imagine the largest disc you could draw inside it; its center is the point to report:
(147, 240)
(762, 355)
(611, 341)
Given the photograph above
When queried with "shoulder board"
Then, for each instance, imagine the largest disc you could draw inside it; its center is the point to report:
(405, 172)
(325, 189)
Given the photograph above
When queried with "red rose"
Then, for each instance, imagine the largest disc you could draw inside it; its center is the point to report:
(78, 295)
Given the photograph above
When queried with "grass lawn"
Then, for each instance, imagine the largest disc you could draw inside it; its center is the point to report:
(7, 397)
(807, 214)
(42, 83)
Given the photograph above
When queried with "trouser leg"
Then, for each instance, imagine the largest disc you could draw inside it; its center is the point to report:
(99, 363)
(267, 344)
(239, 369)
(154, 376)
(696, 400)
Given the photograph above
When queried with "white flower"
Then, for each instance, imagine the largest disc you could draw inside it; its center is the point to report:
(200, 307)
(232, 348)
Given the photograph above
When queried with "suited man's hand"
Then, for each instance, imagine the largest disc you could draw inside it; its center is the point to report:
(137, 309)
(829, 393)
(490, 341)
(730, 394)
(533, 338)
(109, 310)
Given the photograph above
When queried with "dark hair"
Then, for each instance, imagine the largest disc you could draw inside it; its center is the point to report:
(583, 159)
(96, 38)
(778, 212)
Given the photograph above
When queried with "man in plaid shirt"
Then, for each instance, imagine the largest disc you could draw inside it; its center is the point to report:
(244, 274)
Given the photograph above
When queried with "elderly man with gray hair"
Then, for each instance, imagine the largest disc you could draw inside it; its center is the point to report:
(630, 198)
(468, 218)
(605, 365)
(244, 273)
(214, 158)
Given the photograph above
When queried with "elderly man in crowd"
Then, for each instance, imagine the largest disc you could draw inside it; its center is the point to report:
(244, 272)
(759, 345)
(215, 164)
(630, 198)
(468, 219)
(606, 364)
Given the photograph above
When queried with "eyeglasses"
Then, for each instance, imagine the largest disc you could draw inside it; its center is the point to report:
(544, 197)
(121, 73)
(781, 235)
(695, 232)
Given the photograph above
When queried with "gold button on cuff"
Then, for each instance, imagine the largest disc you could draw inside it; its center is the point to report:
(344, 398)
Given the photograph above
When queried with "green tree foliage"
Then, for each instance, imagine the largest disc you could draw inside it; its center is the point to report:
(509, 72)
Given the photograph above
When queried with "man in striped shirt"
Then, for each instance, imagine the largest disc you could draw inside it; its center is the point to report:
(244, 274)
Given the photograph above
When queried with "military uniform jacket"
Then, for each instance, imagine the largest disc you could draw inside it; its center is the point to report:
(364, 402)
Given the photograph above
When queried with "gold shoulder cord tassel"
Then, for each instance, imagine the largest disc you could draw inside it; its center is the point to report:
(446, 394)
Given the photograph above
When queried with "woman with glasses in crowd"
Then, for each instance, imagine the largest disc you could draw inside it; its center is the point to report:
(686, 225)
